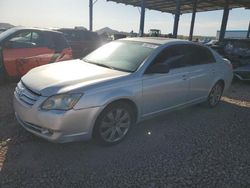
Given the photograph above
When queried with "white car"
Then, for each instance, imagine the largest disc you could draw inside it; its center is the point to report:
(118, 85)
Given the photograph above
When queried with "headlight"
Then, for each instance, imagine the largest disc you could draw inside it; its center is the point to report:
(61, 102)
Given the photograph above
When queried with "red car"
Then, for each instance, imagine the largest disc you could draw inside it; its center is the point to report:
(22, 49)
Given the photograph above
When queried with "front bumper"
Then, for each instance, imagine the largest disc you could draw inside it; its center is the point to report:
(54, 125)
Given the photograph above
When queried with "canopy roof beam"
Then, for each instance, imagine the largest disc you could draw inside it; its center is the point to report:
(248, 32)
(142, 20)
(176, 18)
(90, 15)
(193, 20)
(224, 21)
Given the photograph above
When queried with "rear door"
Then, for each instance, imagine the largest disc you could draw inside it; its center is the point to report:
(201, 73)
(25, 50)
(62, 50)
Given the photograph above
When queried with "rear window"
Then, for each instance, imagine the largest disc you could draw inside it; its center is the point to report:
(200, 55)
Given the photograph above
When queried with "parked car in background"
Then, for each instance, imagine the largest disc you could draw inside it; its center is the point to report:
(243, 72)
(238, 52)
(118, 36)
(81, 41)
(155, 33)
(117, 85)
(22, 49)
(211, 43)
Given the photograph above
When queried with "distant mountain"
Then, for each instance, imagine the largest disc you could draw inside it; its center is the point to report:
(107, 30)
(6, 25)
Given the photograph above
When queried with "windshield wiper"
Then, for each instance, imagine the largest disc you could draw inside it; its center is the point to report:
(99, 64)
(103, 65)
(106, 66)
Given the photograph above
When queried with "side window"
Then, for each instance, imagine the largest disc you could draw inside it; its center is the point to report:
(38, 39)
(174, 56)
(22, 37)
(26, 39)
(20, 40)
(59, 42)
(200, 55)
(71, 35)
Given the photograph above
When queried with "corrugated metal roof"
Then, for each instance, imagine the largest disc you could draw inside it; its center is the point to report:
(186, 5)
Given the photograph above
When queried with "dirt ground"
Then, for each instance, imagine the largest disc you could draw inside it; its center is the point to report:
(193, 147)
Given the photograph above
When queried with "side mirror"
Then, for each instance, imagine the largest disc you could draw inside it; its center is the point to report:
(159, 68)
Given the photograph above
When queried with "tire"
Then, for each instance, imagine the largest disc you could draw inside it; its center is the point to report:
(215, 95)
(113, 124)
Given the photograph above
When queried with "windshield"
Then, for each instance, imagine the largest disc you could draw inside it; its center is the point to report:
(121, 55)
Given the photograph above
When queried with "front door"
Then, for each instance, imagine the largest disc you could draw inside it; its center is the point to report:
(164, 91)
(24, 51)
(168, 90)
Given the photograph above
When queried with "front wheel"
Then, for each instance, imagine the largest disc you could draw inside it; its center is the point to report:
(113, 124)
(215, 95)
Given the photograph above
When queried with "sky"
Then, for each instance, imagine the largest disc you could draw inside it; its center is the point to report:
(70, 13)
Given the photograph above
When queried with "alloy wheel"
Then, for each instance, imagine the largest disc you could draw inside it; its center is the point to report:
(215, 95)
(115, 124)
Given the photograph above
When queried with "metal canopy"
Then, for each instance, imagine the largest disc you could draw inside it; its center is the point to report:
(186, 6)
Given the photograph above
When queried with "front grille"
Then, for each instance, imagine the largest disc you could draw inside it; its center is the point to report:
(25, 94)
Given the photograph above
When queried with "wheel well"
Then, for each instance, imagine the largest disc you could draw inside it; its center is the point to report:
(130, 103)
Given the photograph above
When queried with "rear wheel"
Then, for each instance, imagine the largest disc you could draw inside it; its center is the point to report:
(215, 94)
(114, 123)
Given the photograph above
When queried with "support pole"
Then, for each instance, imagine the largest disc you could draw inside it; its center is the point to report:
(248, 32)
(224, 21)
(142, 20)
(176, 18)
(192, 21)
(90, 15)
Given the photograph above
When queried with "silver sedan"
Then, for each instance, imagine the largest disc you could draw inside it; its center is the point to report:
(121, 83)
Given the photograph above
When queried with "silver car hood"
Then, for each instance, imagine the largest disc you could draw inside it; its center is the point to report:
(66, 76)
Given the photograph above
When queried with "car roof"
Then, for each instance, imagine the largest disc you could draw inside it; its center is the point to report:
(19, 28)
(155, 40)
(74, 30)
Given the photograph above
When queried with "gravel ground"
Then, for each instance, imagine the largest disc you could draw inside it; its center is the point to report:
(193, 147)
